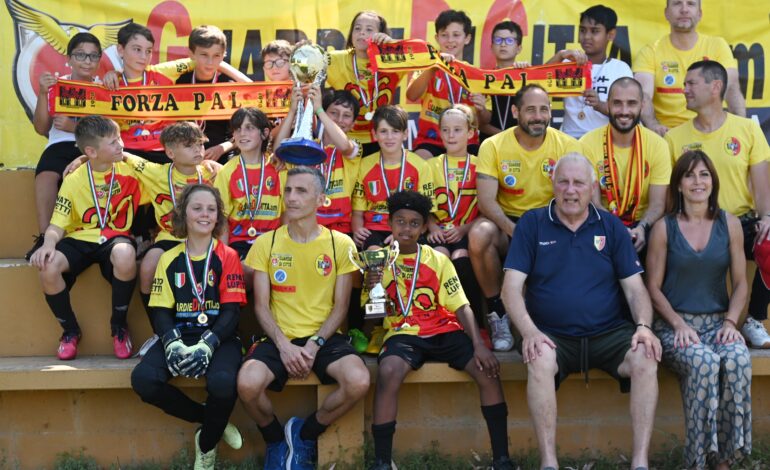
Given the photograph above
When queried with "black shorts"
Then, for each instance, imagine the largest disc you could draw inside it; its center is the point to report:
(452, 247)
(335, 348)
(56, 157)
(165, 245)
(81, 254)
(605, 352)
(454, 348)
(242, 247)
(376, 238)
(370, 148)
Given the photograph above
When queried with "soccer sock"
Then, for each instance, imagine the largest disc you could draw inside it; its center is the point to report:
(62, 309)
(312, 428)
(383, 441)
(355, 314)
(495, 304)
(121, 297)
(496, 417)
(273, 432)
(146, 305)
(760, 298)
(470, 286)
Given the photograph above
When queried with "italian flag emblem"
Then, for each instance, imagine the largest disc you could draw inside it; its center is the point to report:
(179, 279)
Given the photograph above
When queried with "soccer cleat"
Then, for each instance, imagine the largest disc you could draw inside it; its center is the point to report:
(503, 463)
(375, 343)
(302, 454)
(502, 339)
(68, 346)
(204, 460)
(232, 436)
(380, 465)
(121, 343)
(276, 455)
(358, 340)
(36, 244)
(756, 334)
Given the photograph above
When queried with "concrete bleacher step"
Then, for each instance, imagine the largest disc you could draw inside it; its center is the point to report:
(17, 191)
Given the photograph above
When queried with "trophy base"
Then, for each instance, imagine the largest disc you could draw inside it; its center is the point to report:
(300, 151)
(375, 310)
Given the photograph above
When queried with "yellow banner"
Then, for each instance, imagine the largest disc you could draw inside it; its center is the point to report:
(564, 79)
(36, 33)
(190, 102)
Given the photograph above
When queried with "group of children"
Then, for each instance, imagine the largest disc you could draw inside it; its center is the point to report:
(208, 215)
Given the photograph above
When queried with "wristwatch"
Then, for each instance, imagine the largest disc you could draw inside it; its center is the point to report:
(319, 340)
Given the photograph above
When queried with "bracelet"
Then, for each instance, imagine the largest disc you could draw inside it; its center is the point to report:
(731, 321)
(644, 325)
(319, 111)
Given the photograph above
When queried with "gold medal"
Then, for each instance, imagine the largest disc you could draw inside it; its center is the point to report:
(327, 201)
(581, 115)
(252, 232)
(203, 318)
(102, 240)
(449, 225)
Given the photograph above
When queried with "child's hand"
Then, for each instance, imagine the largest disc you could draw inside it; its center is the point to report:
(111, 80)
(436, 234)
(316, 96)
(360, 236)
(380, 38)
(46, 81)
(63, 123)
(479, 101)
(214, 152)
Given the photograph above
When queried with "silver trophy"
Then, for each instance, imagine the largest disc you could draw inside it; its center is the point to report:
(378, 305)
(308, 65)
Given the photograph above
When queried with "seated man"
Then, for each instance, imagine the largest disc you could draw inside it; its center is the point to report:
(302, 288)
(578, 262)
(432, 321)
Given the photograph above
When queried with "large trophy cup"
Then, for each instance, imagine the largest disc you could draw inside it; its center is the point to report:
(308, 65)
(378, 305)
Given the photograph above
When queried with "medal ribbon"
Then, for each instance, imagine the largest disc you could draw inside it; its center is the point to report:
(406, 310)
(368, 102)
(400, 177)
(144, 78)
(452, 208)
(102, 217)
(171, 190)
(452, 92)
(201, 296)
(328, 173)
(625, 206)
(248, 186)
(500, 119)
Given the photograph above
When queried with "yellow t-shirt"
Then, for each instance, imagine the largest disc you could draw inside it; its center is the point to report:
(657, 164)
(154, 179)
(340, 76)
(302, 276)
(669, 66)
(437, 295)
(467, 207)
(524, 176)
(737, 145)
(76, 214)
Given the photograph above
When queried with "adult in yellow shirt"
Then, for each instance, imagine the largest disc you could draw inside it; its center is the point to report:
(631, 161)
(513, 176)
(302, 287)
(740, 154)
(660, 67)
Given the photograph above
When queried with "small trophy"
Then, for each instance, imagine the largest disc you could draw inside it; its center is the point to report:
(308, 64)
(377, 261)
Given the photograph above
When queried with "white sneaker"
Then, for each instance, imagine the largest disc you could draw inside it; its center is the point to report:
(232, 436)
(502, 339)
(204, 460)
(756, 334)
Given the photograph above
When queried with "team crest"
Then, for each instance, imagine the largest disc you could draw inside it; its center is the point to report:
(409, 184)
(274, 261)
(733, 146)
(547, 166)
(269, 183)
(41, 46)
(509, 181)
(211, 278)
(280, 276)
(323, 265)
(179, 279)
(599, 241)
(669, 79)
(374, 188)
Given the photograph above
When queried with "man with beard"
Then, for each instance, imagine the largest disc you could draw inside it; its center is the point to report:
(632, 162)
(660, 67)
(513, 175)
(740, 154)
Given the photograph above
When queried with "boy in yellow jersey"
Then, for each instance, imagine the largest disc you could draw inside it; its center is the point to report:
(513, 175)
(90, 224)
(208, 46)
(250, 185)
(391, 169)
(301, 289)
(432, 322)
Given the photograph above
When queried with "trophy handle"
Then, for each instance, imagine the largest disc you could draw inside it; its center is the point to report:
(353, 260)
(393, 253)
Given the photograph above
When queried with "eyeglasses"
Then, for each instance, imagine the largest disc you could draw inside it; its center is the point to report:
(269, 64)
(509, 41)
(82, 56)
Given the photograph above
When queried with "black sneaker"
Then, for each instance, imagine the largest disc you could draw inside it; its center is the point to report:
(380, 465)
(503, 463)
(39, 239)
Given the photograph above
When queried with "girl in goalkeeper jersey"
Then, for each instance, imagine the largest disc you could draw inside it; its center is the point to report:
(195, 303)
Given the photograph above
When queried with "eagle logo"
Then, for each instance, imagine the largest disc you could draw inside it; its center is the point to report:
(41, 46)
